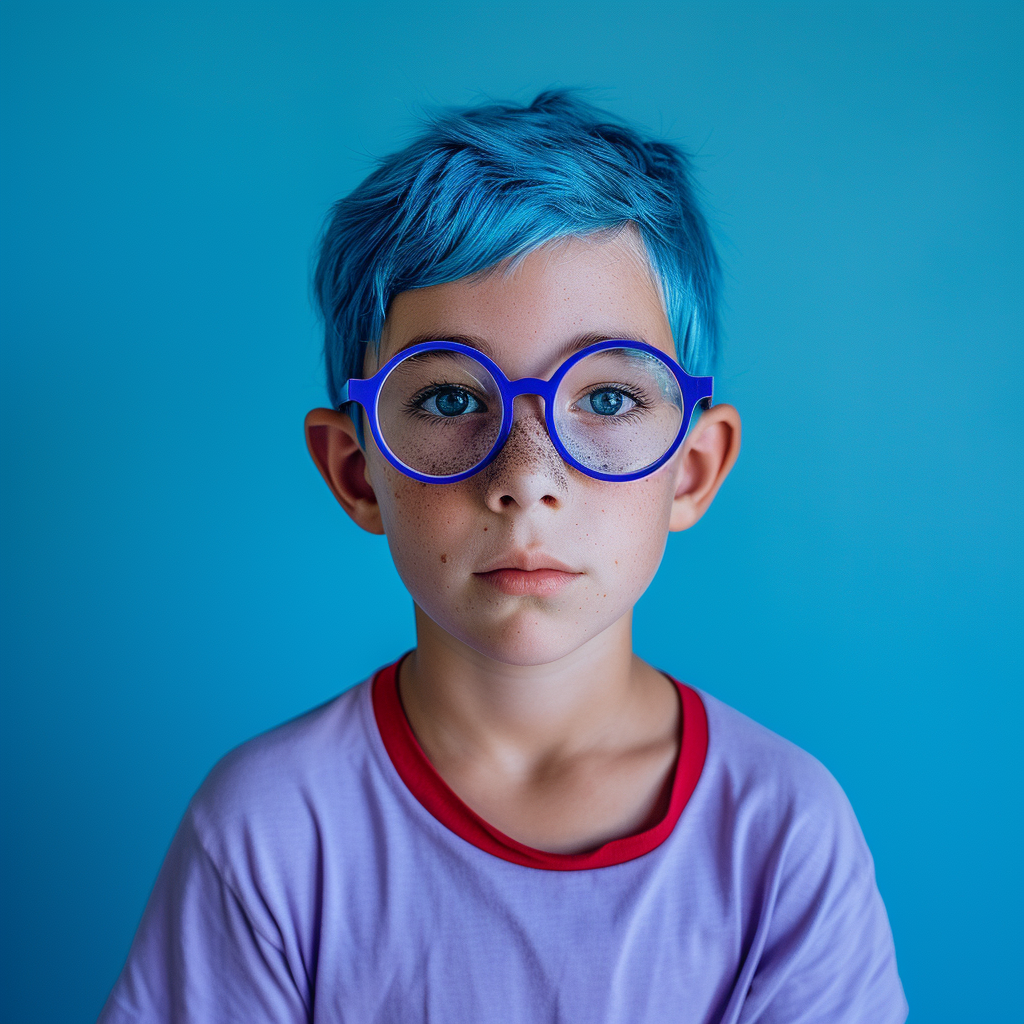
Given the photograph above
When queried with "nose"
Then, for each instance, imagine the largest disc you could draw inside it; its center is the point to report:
(528, 470)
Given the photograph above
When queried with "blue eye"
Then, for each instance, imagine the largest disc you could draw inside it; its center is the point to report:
(607, 402)
(450, 401)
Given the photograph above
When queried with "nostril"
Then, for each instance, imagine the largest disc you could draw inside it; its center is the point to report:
(549, 500)
(507, 499)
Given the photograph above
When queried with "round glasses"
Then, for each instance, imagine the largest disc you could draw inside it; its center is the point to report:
(616, 410)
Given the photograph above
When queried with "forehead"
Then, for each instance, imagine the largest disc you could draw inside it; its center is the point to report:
(528, 316)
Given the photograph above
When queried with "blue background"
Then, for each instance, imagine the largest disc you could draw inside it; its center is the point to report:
(177, 578)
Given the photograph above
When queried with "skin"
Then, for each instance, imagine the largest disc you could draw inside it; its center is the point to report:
(531, 704)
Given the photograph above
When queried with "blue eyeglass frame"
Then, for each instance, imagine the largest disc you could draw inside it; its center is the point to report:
(366, 391)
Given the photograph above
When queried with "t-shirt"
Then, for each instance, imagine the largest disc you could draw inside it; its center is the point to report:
(325, 872)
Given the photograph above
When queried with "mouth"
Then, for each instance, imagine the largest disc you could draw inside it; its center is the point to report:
(529, 574)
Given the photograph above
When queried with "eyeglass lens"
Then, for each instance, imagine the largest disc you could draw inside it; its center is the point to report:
(616, 411)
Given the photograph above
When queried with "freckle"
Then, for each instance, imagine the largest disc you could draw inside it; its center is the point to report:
(444, 558)
(485, 529)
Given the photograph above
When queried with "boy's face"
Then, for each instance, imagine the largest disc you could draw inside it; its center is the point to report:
(530, 559)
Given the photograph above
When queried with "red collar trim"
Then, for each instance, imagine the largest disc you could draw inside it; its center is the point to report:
(423, 781)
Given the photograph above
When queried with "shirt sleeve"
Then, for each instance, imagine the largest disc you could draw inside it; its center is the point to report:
(199, 956)
(824, 952)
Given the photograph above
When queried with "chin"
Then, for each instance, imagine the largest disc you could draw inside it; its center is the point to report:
(525, 640)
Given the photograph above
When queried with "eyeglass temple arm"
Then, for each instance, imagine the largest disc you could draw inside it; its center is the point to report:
(354, 390)
(699, 391)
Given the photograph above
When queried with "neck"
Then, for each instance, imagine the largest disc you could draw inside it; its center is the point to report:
(462, 704)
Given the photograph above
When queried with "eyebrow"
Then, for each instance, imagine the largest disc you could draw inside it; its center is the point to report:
(573, 345)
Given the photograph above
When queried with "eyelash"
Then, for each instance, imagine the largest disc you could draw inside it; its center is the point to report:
(639, 401)
(415, 404)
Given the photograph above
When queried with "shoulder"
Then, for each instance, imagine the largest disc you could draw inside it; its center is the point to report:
(238, 888)
(745, 758)
(279, 784)
(783, 817)
(821, 948)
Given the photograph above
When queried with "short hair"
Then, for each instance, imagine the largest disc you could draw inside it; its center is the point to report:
(486, 184)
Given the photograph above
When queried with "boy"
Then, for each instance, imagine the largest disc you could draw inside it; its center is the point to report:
(520, 820)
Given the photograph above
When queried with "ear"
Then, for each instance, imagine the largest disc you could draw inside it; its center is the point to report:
(709, 451)
(331, 440)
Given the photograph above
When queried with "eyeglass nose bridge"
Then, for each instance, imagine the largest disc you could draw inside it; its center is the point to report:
(528, 387)
(523, 387)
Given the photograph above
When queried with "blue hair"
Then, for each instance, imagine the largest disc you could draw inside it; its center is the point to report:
(482, 185)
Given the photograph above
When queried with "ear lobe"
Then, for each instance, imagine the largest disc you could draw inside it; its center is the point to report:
(709, 452)
(331, 440)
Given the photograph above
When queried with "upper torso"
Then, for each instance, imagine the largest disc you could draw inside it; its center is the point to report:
(308, 882)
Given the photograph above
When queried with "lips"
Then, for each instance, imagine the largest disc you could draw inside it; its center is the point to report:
(526, 582)
(528, 573)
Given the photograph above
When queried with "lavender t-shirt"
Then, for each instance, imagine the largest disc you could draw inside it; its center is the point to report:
(307, 882)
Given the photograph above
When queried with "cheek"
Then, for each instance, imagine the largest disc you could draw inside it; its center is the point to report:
(630, 529)
(426, 526)
(409, 509)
